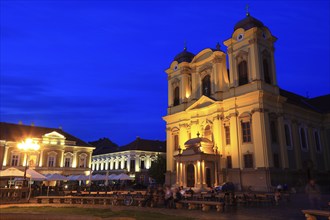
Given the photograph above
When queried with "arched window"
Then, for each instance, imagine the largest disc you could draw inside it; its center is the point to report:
(227, 134)
(288, 138)
(206, 85)
(51, 162)
(242, 73)
(317, 141)
(266, 71)
(303, 139)
(246, 131)
(82, 160)
(208, 132)
(176, 142)
(176, 96)
(273, 131)
(68, 158)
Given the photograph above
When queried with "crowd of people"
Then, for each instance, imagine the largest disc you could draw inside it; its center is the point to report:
(165, 196)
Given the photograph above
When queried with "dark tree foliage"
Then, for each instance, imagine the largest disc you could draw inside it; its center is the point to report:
(158, 169)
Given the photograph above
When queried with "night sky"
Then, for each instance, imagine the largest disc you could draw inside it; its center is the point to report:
(96, 68)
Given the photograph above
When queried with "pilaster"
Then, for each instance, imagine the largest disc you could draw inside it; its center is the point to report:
(282, 142)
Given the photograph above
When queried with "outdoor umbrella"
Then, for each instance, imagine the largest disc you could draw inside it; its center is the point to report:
(35, 175)
(13, 172)
(81, 177)
(112, 177)
(98, 177)
(71, 177)
(123, 176)
(55, 177)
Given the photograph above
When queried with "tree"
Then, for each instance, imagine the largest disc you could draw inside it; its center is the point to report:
(158, 169)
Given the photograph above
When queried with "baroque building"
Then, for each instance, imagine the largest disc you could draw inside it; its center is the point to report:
(133, 159)
(233, 123)
(58, 152)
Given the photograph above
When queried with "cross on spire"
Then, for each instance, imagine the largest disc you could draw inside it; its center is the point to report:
(247, 10)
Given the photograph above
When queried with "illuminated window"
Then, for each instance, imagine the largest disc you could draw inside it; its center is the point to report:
(248, 161)
(176, 96)
(246, 131)
(266, 71)
(67, 162)
(51, 161)
(82, 160)
(68, 157)
(227, 134)
(288, 138)
(303, 139)
(206, 85)
(242, 73)
(14, 160)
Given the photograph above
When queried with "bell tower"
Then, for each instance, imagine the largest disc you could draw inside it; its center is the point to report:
(179, 81)
(251, 53)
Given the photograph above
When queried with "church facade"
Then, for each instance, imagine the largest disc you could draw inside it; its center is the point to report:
(233, 123)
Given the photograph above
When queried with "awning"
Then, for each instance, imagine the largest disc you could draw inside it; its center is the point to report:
(13, 172)
(35, 175)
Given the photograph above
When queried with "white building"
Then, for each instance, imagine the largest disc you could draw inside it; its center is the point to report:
(134, 159)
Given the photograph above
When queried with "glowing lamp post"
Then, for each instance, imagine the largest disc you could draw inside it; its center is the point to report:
(27, 146)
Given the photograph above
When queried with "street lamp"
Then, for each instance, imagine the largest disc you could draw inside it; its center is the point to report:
(27, 146)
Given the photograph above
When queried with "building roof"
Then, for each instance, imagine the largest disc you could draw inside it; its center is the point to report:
(196, 142)
(319, 104)
(145, 145)
(184, 56)
(137, 144)
(104, 146)
(248, 22)
(18, 132)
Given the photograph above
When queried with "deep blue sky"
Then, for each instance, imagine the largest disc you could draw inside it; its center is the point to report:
(96, 68)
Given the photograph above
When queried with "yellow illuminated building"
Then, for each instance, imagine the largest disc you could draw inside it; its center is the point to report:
(233, 123)
(51, 150)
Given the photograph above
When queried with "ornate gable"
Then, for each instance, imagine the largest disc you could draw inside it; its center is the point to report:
(203, 102)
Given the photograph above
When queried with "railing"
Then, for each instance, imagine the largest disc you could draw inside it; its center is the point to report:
(12, 195)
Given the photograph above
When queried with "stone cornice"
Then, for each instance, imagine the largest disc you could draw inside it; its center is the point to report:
(257, 110)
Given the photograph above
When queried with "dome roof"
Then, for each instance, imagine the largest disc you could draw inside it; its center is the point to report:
(197, 142)
(248, 22)
(184, 56)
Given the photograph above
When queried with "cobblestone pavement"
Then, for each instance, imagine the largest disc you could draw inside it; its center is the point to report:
(289, 210)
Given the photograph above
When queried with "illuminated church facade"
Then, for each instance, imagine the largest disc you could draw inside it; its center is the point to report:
(233, 123)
